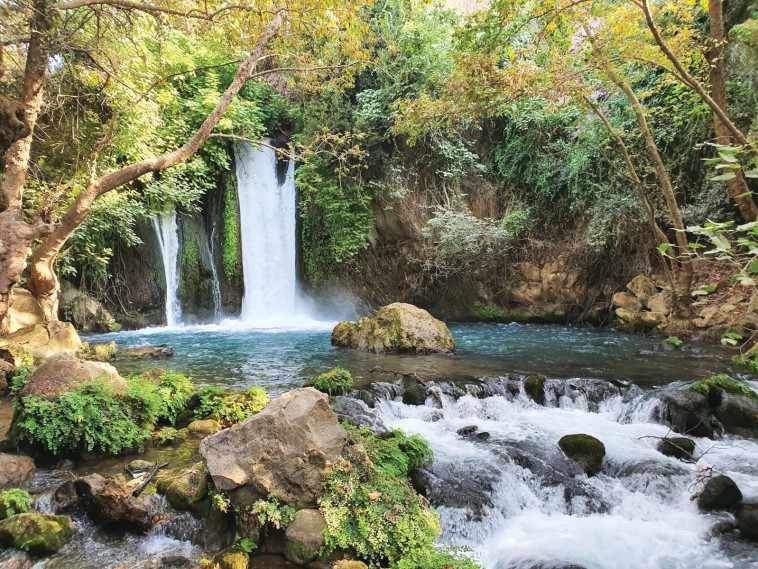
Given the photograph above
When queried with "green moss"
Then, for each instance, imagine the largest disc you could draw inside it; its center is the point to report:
(230, 407)
(534, 385)
(586, 450)
(233, 558)
(14, 501)
(714, 387)
(231, 250)
(489, 313)
(37, 534)
(189, 271)
(335, 382)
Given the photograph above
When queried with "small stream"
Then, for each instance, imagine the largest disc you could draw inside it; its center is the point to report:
(511, 496)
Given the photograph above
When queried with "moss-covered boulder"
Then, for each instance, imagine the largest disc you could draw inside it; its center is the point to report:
(584, 449)
(335, 382)
(414, 393)
(37, 534)
(534, 386)
(204, 427)
(399, 328)
(233, 558)
(304, 536)
(186, 490)
(678, 447)
(719, 493)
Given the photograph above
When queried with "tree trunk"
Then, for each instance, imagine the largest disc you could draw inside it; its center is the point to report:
(715, 54)
(43, 282)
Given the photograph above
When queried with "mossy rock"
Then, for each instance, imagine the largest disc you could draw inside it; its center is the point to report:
(304, 536)
(349, 564)
(233, 558)
(584, 449)
(37, 534)
(534, 386)
(716, 386)
(678, 447)
(719, 493)
(153, 375)
(204, 427)
(335, 382)
(186, 490)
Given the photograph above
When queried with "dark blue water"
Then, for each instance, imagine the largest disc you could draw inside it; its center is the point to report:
(283, 358)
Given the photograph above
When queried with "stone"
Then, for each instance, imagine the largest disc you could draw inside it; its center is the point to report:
(584, 449)
(204, 427)
(534, 386)
(719, 493)
(627, 301)
(153, 375)
(738, 414)
(13, 353)
(102, 352)
(281, 451)
(661, 302)
(84, 312)
(24, 310)
(176, 562)
(712, 316)
(348, 564)
(652, 319)
(686, 411)
(15, 470)
(37, 534)
(399, 328)
(18, 560)
(233, 558)
(160, 352)
(65, 498)
(63, 373)
(414, 394)
(627, 315)
(139, 467)
(109, 502)
(47, 339)
(304, 536)
(678, 447)
(642, 287)
(746, 517)
(467, 431)
(185, 490)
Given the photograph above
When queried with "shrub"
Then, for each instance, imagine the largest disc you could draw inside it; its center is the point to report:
(335, 382)
(14, 501)
(230, 407)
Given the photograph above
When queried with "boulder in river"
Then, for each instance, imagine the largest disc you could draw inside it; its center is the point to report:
(584, 449)
(38, 534)
(109, 502)
(233, 558)
(678, 447)
(719, 493)
(63, 373)
(398, 327)
(15, 470)
(747, 520)
(161, 352)
(282, 451)
(185, 490)
(304, 536)
(534, 386)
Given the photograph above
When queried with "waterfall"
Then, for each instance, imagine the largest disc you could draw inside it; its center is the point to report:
(216, 285)
(168, 240)
(267, 231)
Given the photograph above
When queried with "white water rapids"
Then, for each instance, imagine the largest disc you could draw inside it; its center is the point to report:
(167, 233)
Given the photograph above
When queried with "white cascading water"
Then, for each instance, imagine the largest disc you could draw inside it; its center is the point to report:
(167, 233)
(217, 300)
(267, 228)
(510, 497)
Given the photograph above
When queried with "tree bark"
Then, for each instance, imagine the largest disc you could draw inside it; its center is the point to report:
(682, 292)
(43, 282)
(715, 55)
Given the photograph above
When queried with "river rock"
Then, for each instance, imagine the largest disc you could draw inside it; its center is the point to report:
(63, 373)
(109, 502)
(534, 386)
(661, 302)
(24, 310)
(678, 447)
(719, 493)
(642, 287)
(686, 411)
(627, 301)
(652, 319)
(233, 558)
(15, 470)
(584, 449)
(304, 536)
(204, 427)
(38, 534)
(185, 490)
(161, 352)
(747, 520)
(15, 560)
(47, 339)
(282, 451)
(398, 327)
(65, 498)
(738, 414)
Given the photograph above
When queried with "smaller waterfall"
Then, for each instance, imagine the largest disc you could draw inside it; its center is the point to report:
(167, 233)
(217, 301)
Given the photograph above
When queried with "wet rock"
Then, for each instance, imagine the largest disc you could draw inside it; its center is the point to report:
(678, 447)
(63, 373)
(15, 470)
(721, 528)
(398, 327)
(13, 560)
(47, 339)
(738, 414)
(282, 451)
(414, 394)
(162, 351)
(233, 558)
(304, 536)
(139, 467)
(24, 310)
(467, 431)
(204, 427)
(627, 301)
(584, 449)
(534, 386)
(747, 521)
(185, 490)
(99, 352)
(65, 498)
(719, 493)
(38, 534)
(686, 411)
(176, 562)
(109, 502)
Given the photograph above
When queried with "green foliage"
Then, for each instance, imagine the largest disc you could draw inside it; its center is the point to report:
(230, 407)
(15, 501)
(231, 245)
(335, 382)
(715, 385)
(371, 508)
(489, 313)
(673, 341)
(272, 512)
(166, 436)
(247, 544)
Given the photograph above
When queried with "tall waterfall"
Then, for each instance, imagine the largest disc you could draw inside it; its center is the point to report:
(267, 223)
(217, 300)
(168, 239)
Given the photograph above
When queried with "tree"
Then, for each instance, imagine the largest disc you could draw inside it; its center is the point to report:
(298, 38)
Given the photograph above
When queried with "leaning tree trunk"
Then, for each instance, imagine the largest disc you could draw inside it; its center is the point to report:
(715, 55)
(16, 235)
(43, 281)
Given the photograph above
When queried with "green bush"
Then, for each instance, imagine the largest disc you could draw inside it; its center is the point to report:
(230, 407)
(335, 382)
(14, 501)
(371, 508)
(673, 341)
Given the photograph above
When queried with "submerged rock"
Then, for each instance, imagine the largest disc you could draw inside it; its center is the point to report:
(719, 493)
(15, 470)
(678, 447)
(304, 536)
(160, 352)
(282, 451)
(398, 327)
(747, 521)
(38, 534)
(109, 502)
(584, 449)
(63, 373)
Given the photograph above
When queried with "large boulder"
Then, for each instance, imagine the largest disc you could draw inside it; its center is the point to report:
(38, 534)
(63, 373)
(46, 339)
(398, 327)
(282, 451)
(24, 310)
(304, 536)
(86, 313)
(109, 502)
(643, 288)
(719, 493)
(584, 449)
(15, 470)
(627, 301)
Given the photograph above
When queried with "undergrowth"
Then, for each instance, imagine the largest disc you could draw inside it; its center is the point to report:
(14, 501)
(230, 407)
(335, 382)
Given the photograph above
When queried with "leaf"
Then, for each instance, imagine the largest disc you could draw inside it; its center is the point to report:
(752, 268)
(724, 177)
(728, 342)
(751, 173)
(663, 247)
